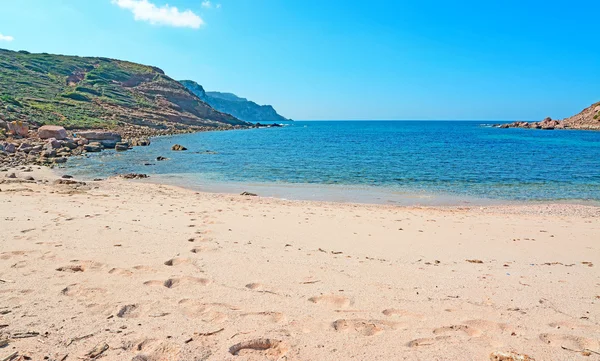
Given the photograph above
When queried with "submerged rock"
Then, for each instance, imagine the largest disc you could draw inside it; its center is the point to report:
(121, 146)
(134, 176)
(178, 147)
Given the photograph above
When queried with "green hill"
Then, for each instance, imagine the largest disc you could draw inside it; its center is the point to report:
(85, 92)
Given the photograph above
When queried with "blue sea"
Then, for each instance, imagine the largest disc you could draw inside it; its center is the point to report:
(396, 162)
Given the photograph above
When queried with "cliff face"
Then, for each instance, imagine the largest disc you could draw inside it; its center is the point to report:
(84, 92)
(588, 119)
(239, 107)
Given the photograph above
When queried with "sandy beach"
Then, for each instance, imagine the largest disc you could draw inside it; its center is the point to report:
(123, 270)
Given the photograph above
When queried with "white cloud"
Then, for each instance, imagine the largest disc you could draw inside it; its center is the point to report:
(207, 4)
(218, 6)
(144, 10)
(6, 38)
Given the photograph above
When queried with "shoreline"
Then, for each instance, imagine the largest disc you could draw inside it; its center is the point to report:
(344, 194)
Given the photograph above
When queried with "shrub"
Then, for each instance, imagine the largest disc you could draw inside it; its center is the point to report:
(76, 96)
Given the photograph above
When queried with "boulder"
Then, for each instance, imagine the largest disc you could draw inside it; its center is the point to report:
(53, 143)
(9, 148)
(178, 147)
(18, 128)
(121, 146)
(52, 131)
(100, 136)
(93, 147)
(160, 158)
(60, 160)
(140, 142)
(108, 143)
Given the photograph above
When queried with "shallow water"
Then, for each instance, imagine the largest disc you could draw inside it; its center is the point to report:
(417, 162)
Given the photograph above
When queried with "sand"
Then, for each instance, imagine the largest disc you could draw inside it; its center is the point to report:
(123, 270)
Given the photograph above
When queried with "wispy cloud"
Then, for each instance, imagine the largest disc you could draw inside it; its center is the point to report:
(6, 38)
(143, 10)
(207, 4)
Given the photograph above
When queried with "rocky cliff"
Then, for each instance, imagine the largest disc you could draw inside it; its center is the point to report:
(86, 92)
(241, 108)
(588, 119)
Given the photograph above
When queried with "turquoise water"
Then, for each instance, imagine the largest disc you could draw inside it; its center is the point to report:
(457, 160)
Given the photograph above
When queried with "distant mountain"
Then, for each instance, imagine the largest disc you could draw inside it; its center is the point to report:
(241, 108)
(86, 92)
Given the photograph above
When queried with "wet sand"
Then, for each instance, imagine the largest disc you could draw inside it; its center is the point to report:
(123, 270)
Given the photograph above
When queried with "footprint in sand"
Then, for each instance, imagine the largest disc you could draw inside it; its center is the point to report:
(394, 312)
(80, 266)
(178, 281)
(364, 327)
(202, 249)
(177, 261)
(264, 347)
(570, 341)
(428, 341)
(71, 268)
(12, 254)
(207, 312)
(335, 301)
(152, 349)
(275, 317)
(78, 291)
(489, 326)
(129, 311)
(255, 286)
(120, 272)
(570, 325)
(470, 331)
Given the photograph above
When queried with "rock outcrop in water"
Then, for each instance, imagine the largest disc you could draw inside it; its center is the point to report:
(588, 119)
(241, 108)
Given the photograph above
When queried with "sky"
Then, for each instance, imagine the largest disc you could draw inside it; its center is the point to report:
(352, 59)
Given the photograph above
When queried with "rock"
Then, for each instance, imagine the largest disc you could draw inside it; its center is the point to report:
(68, 182)
(141, 142)
(93, 147)
(60, 160)
(161, 158)
(29, 178)
(134, 176)
(52, 131)
(249, 194)
(100, 135)
(11, 175)
(53, 143)
(178, 147)
(70, 144)
(9, 148)
(121, 146)
(108, 143)
(18, 128)
(66, 176)
(49, 153)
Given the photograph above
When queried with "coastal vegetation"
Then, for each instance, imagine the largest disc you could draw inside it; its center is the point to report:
(89, 92)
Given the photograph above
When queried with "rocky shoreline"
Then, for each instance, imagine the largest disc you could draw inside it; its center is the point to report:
(24, 144)
(546, 124)
(587, 119)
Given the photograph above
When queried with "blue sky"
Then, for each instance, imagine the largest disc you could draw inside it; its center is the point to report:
(428, 59)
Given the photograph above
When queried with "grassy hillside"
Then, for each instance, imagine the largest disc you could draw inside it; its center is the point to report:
(79, 92)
